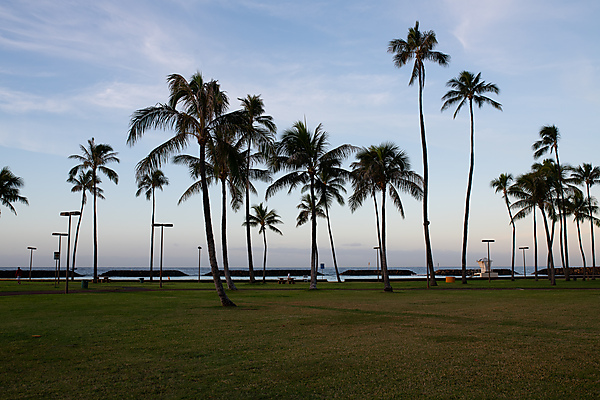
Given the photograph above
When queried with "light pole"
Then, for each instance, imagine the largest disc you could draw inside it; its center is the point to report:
(524, 269)
(377, 256)
(199, 255)
(60, 235)
(31, 249)
(162, 226)
(68, 214)
(488, 241)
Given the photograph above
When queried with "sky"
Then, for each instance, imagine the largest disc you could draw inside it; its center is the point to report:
(70, 71)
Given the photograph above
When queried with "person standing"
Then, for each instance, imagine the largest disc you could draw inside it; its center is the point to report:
(18, 274)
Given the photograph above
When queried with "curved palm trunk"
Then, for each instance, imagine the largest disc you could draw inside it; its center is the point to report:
(512, 222)
(265, 256)
(381, 258)
(152, 237)
(230, 284)
(563, 219)
(387, 287)
(95, 230)
(581, 247)
(592, 233)
(468, 199)
(337, 273)
(248, 236)
(535, 245)
(549, 243)
(313, 221)
(429, 255)
(210, 239)
(77, 236)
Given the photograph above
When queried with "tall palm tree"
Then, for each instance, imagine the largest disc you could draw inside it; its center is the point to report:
(469, 88)
(82, 183)
(194, 110)
(257, 130)
(548, 143)
(329, 187)
(10, 185)
(265, 218)
(419, 46)
(94, 158)
(305, 153)
(385, 169)
(502, 184)
(147, 183)
(590, 176)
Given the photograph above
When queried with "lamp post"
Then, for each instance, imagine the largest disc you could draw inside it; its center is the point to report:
(60, 236)
(68, 214)
(199, 255)
(524, 269)
(162, 226)
(488, 241)
(31, 249)
(377, 256)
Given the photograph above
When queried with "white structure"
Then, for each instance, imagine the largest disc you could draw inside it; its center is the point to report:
(486, 269)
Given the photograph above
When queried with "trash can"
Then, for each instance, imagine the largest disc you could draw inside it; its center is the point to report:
(141, 280)
(84, 284)
(450, 279)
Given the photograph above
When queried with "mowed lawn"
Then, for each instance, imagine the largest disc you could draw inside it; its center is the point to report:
(357, 343)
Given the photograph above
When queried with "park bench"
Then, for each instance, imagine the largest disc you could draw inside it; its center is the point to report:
(291, 281)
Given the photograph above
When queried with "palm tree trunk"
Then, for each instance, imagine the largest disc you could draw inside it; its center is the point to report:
(535, 245)
(95, 230)
(230, 284)
(581, 247)
(77, 235)
(592, 233)
(468, 198)
(248, 236)
(428, 252)
(380, 251)
(210, 239)
(152, 237)
(337, 272)
(265, 255)
(313, 221)
(512, 222)
(387, 287)
(550, 255)
(564, 216)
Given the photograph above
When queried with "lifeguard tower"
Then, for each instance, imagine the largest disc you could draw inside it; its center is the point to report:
(486, 268)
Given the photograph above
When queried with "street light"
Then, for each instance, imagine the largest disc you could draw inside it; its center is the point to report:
(524, 269)
(162, 226)
(31, 249)
(377, 256)
(488, 241)
(199, 255)
(60, 235)
(69, 214)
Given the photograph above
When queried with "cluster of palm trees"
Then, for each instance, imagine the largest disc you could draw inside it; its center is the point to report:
(555, 190)
(10, 189)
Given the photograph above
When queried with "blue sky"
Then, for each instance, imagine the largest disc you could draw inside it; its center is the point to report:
(71, 70)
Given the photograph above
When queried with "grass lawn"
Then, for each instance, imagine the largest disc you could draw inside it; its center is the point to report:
(293, 343)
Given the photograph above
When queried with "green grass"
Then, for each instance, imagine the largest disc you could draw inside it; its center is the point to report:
(300, 344)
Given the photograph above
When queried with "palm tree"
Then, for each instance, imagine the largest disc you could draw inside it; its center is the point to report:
(329, 187)
(385, 169)
(10, 189)
(94, 158)
(305, 153)
(258, 130)
(305, 212)
(590, 176)
(147, 183)
(548, 143)
(265, 218)
(194, 110)
(82, 183)
(577, 206)
(419, 46)
(502, 184)
(469, 88)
